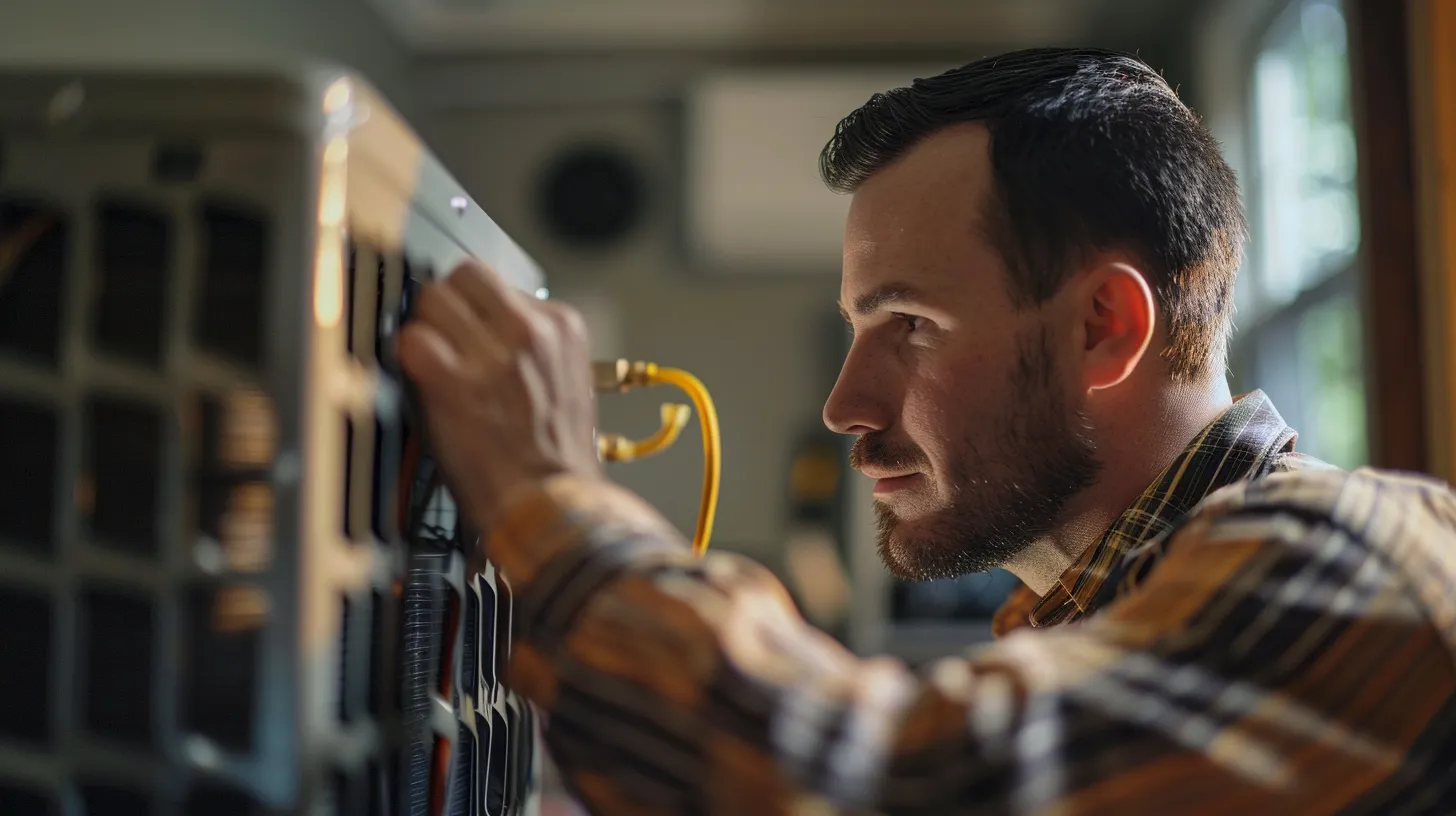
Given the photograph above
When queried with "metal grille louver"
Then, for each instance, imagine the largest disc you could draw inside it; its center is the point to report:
(171, 627)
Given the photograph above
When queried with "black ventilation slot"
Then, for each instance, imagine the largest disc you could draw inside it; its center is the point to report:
(526, 747)
(496, 766)
(351, 530)
(446, 672)
(414, 274)
(134, 248)
(462, 776)
(384, 511)
(502, 630)
(118, 640)
(111, 800)
(357, 256)
(33, 280)
(365, 270)
(28, 452)
(125, 467)
(23, 800)
(221, 667)
(348, 794)
(209, 799)
(355, 661)
(26, 666)
(382, 695)
(389, 307)
(359, 480)
(470, 654)
(487, 639)
(513, 756)
(523, 731)
(347, 710)
(177, 163)
(515, 762)
(228, 320)
(387, 792)
(379, 792)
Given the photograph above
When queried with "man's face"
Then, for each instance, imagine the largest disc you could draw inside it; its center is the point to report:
(965, 406)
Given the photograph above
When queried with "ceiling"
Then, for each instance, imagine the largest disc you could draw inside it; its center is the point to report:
(536, 26)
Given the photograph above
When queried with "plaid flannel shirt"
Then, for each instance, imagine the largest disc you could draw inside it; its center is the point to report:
(1257, 633)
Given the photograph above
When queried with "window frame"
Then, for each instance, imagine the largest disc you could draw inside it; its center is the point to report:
(1264, 352)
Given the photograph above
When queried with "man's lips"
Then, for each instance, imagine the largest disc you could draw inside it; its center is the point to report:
(888, 481)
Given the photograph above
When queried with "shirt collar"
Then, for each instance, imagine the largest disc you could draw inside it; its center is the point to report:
(1241, 444)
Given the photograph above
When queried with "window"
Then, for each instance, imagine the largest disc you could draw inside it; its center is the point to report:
(1300, 335)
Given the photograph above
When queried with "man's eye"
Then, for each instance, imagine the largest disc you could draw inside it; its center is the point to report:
(910, 320)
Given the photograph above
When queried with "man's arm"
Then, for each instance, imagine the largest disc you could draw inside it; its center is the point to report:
(1268, 659)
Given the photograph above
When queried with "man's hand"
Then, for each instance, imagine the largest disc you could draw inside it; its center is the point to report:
(505, 382)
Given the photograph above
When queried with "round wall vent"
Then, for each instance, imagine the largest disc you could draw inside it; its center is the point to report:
(591, 197)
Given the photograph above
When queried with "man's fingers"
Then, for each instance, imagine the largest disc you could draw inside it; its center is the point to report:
(568, 320)
(445, 310)
(426, 356)
(493, 300)
(571, 334)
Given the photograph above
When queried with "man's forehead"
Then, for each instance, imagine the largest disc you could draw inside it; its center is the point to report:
(939, 189)
(955, 158)
(919, 219)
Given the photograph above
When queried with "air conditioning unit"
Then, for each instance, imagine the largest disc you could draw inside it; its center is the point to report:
(230, 581)
(755, 202)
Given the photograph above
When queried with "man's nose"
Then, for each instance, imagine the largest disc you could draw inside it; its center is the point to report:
(856, 406)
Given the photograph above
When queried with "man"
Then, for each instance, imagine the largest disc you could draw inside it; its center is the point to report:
(1038, 268)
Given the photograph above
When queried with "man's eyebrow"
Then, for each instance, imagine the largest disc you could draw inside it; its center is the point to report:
(881, 296)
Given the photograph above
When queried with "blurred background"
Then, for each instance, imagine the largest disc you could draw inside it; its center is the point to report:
(658, 157)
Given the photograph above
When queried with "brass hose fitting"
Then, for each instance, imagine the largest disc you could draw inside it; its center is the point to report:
(620, 376)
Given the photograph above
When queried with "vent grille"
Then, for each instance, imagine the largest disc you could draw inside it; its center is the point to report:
(136, 463)
(163, 619)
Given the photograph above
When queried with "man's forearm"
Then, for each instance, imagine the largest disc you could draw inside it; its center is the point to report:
(659, 673)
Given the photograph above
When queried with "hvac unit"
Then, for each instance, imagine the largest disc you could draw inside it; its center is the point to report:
(230, 581)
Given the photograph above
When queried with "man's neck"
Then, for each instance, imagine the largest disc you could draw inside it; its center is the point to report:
(1134, 451)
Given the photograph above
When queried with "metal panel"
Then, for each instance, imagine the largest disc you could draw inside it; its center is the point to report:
(201, 636)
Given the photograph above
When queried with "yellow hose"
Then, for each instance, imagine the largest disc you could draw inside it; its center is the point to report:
(712, 448)
(618, 448)
(620, 375)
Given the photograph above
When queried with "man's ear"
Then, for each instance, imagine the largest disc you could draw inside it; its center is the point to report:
(1118, 317)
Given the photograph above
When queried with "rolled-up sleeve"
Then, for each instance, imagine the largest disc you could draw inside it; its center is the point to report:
(1270, 659)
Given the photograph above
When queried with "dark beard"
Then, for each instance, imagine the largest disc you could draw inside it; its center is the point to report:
(1042, 458)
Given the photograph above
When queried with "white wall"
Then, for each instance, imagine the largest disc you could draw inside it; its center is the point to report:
(163, 31)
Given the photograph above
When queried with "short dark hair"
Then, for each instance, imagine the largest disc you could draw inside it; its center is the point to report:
(1090, 149)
